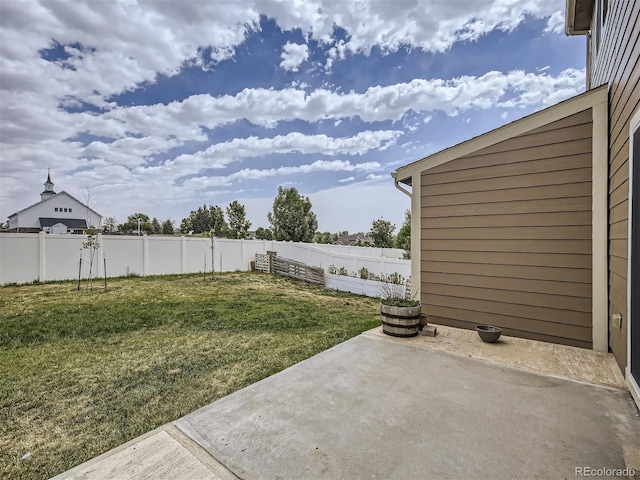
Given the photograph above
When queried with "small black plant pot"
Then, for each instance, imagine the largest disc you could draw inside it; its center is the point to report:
(489, 333)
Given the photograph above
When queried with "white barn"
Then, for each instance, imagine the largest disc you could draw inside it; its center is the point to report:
(55, 213)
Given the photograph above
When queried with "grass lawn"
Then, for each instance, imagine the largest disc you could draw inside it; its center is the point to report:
(84, 371)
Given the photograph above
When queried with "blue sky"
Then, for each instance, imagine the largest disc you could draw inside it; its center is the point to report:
(161, 107)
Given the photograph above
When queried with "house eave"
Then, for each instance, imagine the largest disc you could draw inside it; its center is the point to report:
(404, 180)
(578, 16)
(550, 114)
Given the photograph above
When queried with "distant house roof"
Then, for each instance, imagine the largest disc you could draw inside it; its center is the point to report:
(51, 198)
(73, 223)
(354, 239)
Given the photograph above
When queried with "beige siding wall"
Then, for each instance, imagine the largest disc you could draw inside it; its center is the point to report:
(616, 61)
(506, 235)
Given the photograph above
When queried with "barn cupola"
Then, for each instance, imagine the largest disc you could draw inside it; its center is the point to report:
(48, 188)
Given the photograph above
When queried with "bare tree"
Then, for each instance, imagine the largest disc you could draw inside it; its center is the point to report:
(91, 243)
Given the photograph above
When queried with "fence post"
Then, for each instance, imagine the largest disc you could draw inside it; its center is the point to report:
(183, 254)
(145, 255)
(218, 246)
(42, 259)
(99, 256)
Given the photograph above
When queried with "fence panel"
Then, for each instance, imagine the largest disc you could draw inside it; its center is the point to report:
(197, 254)
(378, 266)
(31, 256)
(164, 256)
(124, 255)
(229, 255)
(19, 258)
(361, 251)
(370, 288)
(63, 257)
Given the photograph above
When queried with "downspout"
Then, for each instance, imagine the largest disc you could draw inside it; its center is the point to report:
(403, 190)
(416, 229)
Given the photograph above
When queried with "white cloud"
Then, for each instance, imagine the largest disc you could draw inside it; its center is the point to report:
(338, 51)
(162, 127)
(128, 43)
(555, 24)
(32, 132)
(118, 47)
(125, 44)
(373, 176)
(222, 154)
(293, 55)
(348, 179)
(269, 107)
(257, 174)
(432, 26)
(129, 152)
(543, 89)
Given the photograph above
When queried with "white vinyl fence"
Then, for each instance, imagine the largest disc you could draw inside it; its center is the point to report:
(25, 257)
(369, 288)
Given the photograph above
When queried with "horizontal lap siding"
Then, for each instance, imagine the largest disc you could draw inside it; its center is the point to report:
(506, 236)
(617, 62)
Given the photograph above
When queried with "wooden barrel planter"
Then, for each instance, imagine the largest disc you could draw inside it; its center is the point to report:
(400, 321)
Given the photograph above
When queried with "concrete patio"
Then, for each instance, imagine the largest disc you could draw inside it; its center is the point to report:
(377, 407)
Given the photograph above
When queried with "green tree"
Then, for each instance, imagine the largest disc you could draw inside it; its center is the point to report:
(403, 240)
(156, 227)
(110, 224)
(204, 219)
(264, 234)
(167, 227)
(328, 237)
(292, 218)
(323, 237)
(131, 225)
(218, 223)
(238, 224)
(382, 233)
(200, 219)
